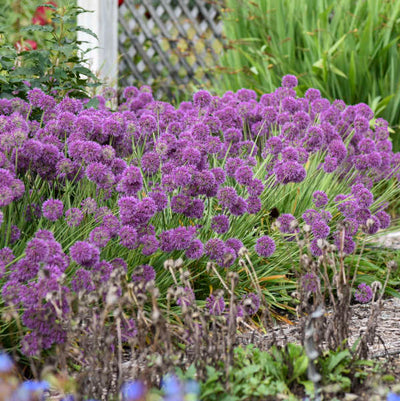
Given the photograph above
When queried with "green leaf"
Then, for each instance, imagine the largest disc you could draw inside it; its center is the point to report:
(335, 360)
(37, 28)
(92, 103)
(86, 30)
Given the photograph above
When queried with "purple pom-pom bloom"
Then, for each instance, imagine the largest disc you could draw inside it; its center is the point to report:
(320, 199)
(310, 282)
(84, 253)
(52, 209)
(363, 294)
(215, 305)
(195, 250)
(73, 217)
(265, 246)
(289, 81)
(220, 224)
(320, 229)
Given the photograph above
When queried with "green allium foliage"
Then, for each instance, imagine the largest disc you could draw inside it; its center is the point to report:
(346, 49)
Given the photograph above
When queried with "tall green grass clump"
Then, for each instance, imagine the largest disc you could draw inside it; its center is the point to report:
(348, 50)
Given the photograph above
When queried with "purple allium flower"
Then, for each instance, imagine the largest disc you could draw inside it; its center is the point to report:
(289, 81)
(227, 196)
(244, 175)
(220, 224)
(330, 164)
(287, 223)
(131, 181)
(102, 271)
(89, 206)
(195, 250)
(128, 237)
(320, 199)
(289, 171)
(273, 146)
(256, 187)
(182, 175)
(144, 273)
(348, 208)
(150, 244)
(84, 253)
(196, 209)
(6, 256)
(310, 282)
(362, 214)
(52, 209)
(350, 226)
(250, 303)
(233, 135)
(180, 203)
(239, 207)
(6, 196)
(82, 281)
(73, 217)
(100, 237)
(363, 294)
(372, 225)
(320, 229)
(384, 219)
(160, 199)
(254, 204)
(15, 234)
(314, 248)
(187, 298)
(37, 250)
(265, 246)
(344, 242)
(310, 216)
(150, 162)
(100, 174)
(215, 305)
(215, 249)
(219, 175)
(201, 99)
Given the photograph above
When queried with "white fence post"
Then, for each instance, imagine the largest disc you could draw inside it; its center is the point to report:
(103, 21)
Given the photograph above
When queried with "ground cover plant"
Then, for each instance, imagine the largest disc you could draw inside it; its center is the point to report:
(158, 225)
(346, 49)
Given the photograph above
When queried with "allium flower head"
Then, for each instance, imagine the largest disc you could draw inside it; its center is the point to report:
(289, 81)
(144, 273)
(99, 236)
(320, 199)
(320, 229)
(310, 282)
(265, 246)
(363, 294)
(250, 303)
(37, 250)
(287, 223)
(195, 250)
(215, 305)
(215, 249)
(220, 224)
(52, 209)
(73, 217)
(202, 99)
(84, 253)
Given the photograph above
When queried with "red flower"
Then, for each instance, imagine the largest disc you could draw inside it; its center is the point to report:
(120, 2)
(25, 45)
(41, 16)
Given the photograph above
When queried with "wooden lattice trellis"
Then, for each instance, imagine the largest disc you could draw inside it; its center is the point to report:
(168, 43)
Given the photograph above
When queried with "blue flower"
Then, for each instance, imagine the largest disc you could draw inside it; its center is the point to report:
(6, 364)
(393, 397)
(133, 391)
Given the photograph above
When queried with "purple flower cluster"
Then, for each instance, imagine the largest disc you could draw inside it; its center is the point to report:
(175, 179)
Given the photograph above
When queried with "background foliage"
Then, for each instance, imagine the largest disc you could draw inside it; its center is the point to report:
(348, 50)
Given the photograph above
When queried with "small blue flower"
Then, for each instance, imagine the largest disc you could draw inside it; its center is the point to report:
(393, 397)
(171, 386)
(34, 386)
(133, 391)
(6, 364)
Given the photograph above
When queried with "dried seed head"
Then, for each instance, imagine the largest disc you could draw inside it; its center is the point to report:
(376, 286)
(178, 263)
(242, 263)
(168, 264)
(233, 276)
(306, 228)
(393, 265)
(243, 251)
